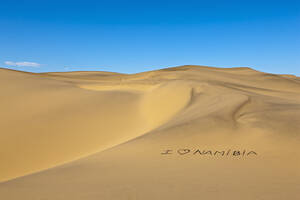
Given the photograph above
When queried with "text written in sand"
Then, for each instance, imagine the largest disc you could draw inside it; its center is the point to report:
(203, 152)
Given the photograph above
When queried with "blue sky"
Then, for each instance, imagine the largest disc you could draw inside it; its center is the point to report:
(133, 36)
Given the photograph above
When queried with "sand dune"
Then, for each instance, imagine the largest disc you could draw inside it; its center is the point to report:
(188, 132)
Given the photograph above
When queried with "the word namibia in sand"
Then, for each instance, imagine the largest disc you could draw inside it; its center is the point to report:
(228, 152)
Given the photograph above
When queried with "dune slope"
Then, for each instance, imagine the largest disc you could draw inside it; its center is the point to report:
(187, 132)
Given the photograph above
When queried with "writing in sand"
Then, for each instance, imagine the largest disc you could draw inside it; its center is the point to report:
(228, 152)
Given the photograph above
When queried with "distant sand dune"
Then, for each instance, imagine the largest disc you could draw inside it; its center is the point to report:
(101, 135)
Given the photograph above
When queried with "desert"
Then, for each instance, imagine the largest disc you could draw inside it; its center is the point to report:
(107, 135)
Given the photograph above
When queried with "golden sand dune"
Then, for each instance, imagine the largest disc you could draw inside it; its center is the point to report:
(188, 132)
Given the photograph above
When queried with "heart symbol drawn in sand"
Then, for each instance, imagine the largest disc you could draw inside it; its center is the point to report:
(183, 151)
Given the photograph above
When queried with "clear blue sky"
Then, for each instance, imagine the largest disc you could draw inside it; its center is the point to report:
(134, 36)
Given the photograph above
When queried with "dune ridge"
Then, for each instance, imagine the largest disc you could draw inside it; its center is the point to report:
(103, 133)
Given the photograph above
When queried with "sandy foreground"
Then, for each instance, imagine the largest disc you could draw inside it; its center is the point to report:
(188, 132)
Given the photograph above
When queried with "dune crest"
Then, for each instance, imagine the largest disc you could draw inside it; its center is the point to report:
(162, 103)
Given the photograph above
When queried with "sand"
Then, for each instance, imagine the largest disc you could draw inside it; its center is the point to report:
(188, 132)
